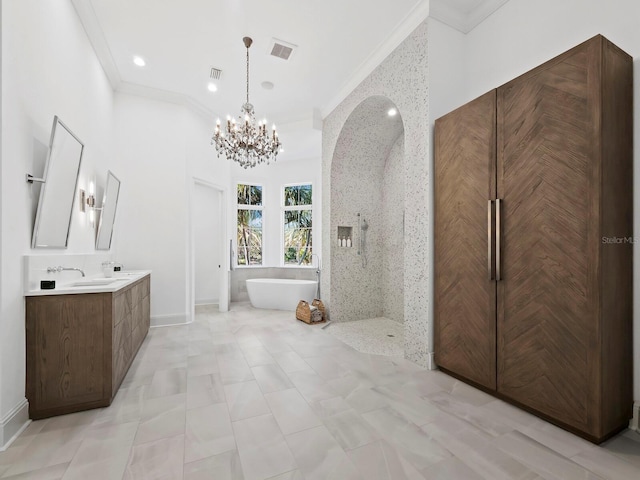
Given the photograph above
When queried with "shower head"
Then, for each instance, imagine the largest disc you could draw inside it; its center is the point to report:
(364, 225)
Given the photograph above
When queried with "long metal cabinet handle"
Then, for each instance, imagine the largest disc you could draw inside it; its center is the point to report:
(498, 238)
(489, 240)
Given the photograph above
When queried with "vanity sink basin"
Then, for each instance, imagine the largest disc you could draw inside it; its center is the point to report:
(98, 282)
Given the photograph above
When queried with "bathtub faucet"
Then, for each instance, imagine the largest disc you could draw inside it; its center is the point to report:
(319, 262)
(317, 273)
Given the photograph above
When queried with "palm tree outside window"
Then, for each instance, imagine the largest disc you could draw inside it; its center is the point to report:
(249, 234)
(298, 224)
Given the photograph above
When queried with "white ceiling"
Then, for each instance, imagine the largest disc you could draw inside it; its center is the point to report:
(464, 15)
(339, 43)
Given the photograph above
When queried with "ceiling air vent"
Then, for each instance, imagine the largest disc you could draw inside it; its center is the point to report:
(281, 49)
(215, 73)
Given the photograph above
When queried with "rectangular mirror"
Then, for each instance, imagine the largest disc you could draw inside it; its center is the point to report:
(53, 216)
(108, 216)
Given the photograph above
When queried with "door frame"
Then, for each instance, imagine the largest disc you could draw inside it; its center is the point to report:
(223, 294)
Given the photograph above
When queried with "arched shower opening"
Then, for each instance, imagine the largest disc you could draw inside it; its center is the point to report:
(367, 215)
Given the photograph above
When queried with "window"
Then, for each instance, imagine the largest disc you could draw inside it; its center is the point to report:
(298, 224)
(249, 225)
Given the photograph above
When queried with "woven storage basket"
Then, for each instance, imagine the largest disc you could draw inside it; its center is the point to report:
(304, 313)
(320, 306)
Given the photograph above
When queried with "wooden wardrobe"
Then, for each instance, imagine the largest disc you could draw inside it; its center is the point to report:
(533, 247)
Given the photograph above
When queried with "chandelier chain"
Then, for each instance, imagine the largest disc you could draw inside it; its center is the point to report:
(247, 74)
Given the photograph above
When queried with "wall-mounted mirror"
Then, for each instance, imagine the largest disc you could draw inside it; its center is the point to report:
(108, 216)
(53, 216)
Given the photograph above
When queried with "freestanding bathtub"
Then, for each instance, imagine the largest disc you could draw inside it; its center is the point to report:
(280, 293)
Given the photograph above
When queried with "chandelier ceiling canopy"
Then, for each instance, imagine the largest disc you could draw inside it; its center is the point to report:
(244, 141)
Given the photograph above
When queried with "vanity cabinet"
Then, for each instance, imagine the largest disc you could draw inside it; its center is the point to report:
(80, 347)
(533, 249)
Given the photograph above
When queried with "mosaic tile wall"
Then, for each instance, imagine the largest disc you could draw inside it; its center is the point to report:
(403, 79)
(393, 241)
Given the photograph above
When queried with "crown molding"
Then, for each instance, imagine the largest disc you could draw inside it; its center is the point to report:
(94, 32)
(405, 27)
(464, 22)
(165, 96)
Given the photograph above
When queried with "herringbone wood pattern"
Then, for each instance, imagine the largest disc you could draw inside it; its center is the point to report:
(465, 297)
(546, 321)
(563, 307)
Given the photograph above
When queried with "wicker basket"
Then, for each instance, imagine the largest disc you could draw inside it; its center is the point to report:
(304, 313)
(320, 306)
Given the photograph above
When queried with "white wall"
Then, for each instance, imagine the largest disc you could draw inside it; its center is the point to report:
(151, 231)
(208, 262)
(204, 166)
(162, 148)
(50, 71)
(523, 34)
(272, 178)
(447, 68)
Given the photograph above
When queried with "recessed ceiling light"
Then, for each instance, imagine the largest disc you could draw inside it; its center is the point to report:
(392, 112)
(212, 87)
(267, 85)
(139, 61)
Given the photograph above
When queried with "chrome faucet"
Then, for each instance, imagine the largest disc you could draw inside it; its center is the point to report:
(60, 269)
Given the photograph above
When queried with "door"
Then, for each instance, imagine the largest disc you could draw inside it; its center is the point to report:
(547, 298)
(465, 289)
(209, 254)
(208, 246)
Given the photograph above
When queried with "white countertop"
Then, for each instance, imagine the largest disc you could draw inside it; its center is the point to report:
(92, 284)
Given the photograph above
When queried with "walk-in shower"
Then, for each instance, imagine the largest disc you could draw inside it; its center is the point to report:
(367, 201)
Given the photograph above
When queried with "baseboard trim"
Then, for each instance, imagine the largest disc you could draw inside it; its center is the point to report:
(634, 424)
(426, 360)
(432, 361)
(211, 301)
(169, 320)
(13, 424)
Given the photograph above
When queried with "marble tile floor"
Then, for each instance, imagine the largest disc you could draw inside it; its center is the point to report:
(254, 394)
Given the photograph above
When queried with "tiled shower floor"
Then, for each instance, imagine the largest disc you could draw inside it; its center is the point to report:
(254, 394)
(376, 336)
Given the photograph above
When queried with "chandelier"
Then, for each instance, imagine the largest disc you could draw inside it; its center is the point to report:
(245, 141)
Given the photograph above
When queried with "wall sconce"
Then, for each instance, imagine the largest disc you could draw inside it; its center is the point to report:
(88, 201)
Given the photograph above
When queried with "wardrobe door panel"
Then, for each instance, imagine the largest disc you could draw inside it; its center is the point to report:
(548, 177)
(465, 296)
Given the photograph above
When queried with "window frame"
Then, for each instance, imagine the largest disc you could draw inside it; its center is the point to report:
(283, 209)
(261, 208)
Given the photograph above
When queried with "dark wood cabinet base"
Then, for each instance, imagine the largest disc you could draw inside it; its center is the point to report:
(537, 413)
(80, 347)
